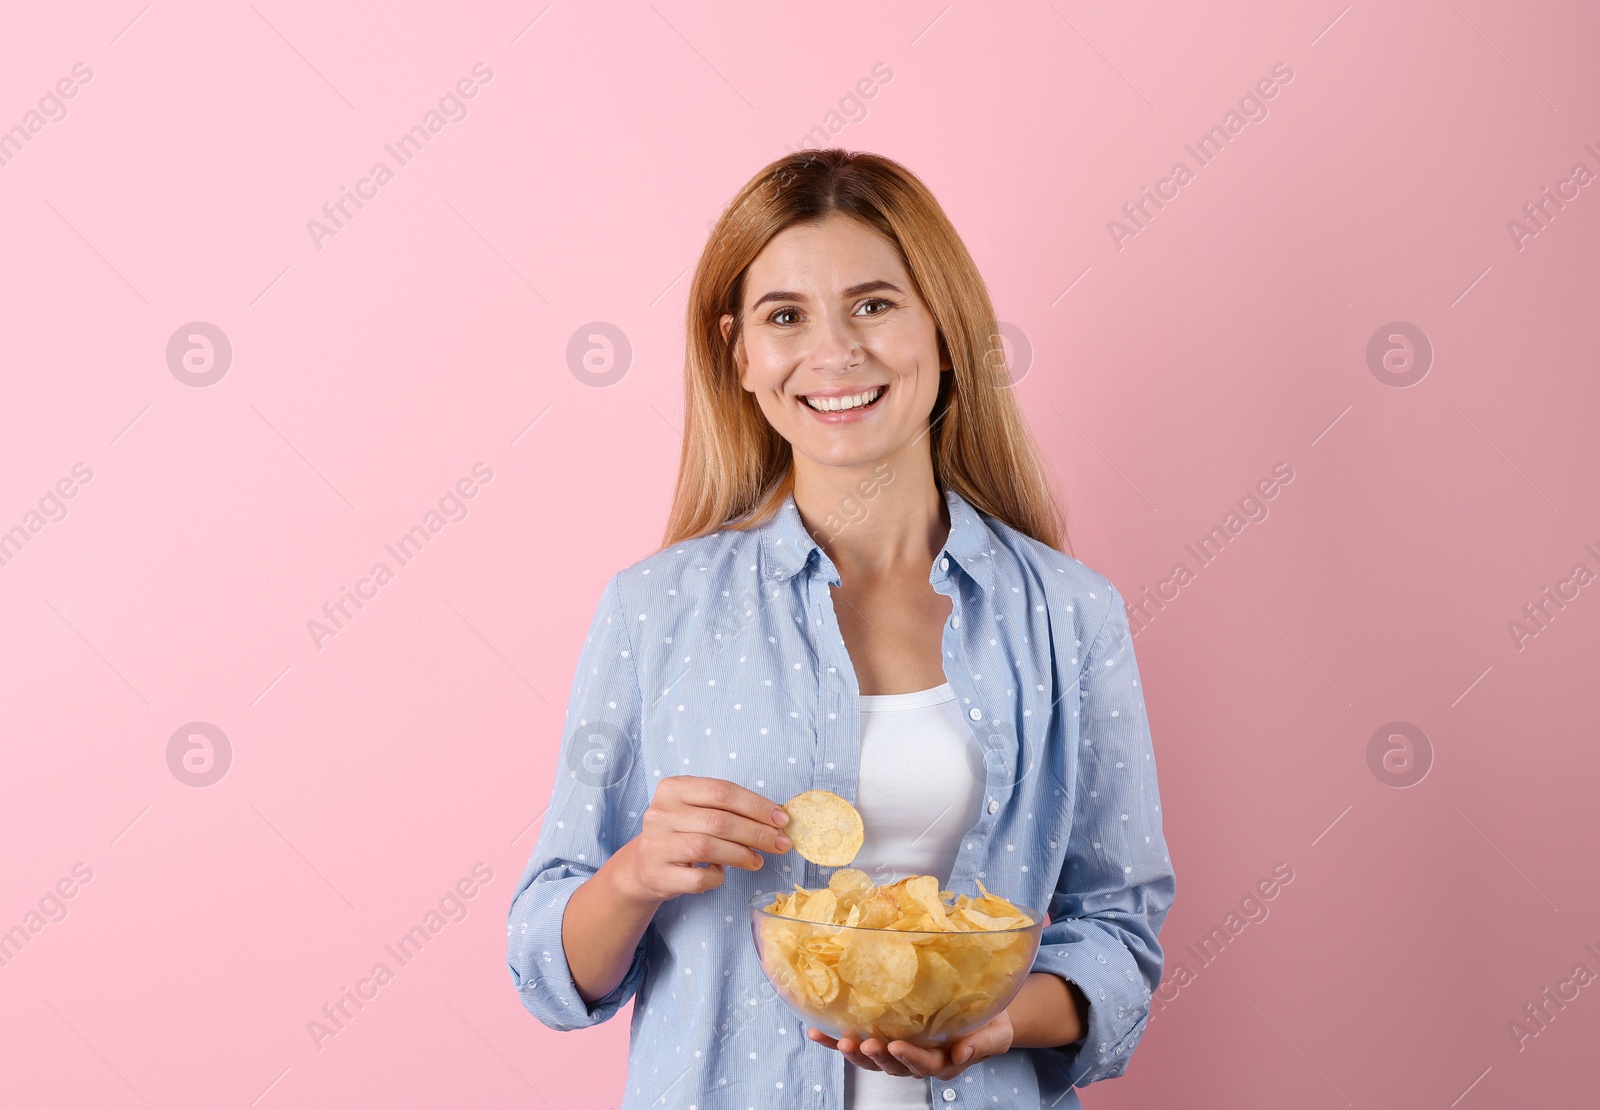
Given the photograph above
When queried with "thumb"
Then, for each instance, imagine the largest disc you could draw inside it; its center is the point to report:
(968, 1047)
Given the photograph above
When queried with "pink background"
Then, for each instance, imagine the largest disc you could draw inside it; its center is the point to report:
(371, 372)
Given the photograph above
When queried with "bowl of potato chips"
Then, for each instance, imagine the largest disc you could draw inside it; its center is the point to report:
(906, 961)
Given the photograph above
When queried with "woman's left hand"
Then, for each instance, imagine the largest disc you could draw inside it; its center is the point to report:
(904, 1058)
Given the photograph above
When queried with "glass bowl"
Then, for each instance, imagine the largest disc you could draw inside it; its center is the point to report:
(836, 977)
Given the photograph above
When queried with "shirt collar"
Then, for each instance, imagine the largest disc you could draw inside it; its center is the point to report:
(787, 548)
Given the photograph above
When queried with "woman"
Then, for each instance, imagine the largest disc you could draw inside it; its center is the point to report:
(862, 590)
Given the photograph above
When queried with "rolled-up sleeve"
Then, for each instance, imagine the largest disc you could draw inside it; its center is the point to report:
(595, 805)
(1116, 884)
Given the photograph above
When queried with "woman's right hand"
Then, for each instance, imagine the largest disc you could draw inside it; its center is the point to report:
(697, 820)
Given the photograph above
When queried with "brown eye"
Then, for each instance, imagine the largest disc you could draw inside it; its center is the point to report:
(774, 317)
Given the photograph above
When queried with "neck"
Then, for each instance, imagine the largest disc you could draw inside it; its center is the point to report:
(874, 521)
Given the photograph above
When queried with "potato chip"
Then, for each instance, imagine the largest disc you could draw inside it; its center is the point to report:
(822, 980)
(896, 1025)
(953, 1011)
(967, 958)
(924, 890)
(864, 1009)
(905, 961)
(878, 911)
(850, 880)
(819, 907)
(937, 983)
(825, 828)
(877, 962)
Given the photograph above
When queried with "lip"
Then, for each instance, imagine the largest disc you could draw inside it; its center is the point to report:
(849, 416)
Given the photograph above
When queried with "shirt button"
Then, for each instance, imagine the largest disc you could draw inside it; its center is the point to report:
(994, 806)
(944, 564)
(975, 713)
(955, 622)
(949, 1095)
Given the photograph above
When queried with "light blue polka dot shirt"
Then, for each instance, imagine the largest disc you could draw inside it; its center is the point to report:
(721, 656)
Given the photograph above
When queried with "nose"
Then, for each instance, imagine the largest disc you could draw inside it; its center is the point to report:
(835, 350)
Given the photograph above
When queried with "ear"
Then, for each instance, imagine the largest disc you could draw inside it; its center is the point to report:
(740, 362)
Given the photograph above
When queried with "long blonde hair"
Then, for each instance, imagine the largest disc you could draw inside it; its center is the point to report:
(735, 469)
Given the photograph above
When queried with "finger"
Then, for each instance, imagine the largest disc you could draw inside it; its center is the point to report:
(878, 1052)
(850, 1048)
(711, 793)
(734, 827)
(692, 879)
(696, 847)
(964, 1050)
(922, 1061)
(822, 1038)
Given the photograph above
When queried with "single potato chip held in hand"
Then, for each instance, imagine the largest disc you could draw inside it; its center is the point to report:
(825, 828)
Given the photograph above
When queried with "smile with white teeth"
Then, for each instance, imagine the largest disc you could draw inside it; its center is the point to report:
(843, 404)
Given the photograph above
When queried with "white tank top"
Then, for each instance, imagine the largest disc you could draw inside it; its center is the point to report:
(918, 791)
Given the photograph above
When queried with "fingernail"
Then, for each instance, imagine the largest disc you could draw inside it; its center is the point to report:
(783, 843)
(962, 1054)
(780, 817)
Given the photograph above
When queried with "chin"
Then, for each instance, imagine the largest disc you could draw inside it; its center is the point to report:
(848, 458)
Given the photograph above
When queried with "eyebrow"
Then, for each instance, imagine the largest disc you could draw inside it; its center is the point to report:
(853, 291)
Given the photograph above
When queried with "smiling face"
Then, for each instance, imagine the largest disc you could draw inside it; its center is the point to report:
(831, 314)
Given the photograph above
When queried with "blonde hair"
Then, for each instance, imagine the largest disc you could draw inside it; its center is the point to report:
(735, 470)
